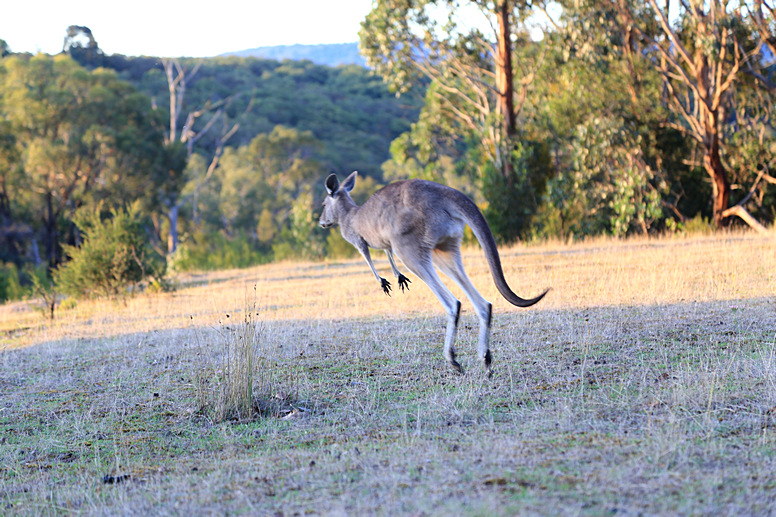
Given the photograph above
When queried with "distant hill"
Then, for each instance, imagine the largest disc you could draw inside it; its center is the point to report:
(325, 54)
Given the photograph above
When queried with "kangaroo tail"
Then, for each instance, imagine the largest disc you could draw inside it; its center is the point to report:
(479, 226)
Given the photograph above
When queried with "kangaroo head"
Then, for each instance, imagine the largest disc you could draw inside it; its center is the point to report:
(338, 201)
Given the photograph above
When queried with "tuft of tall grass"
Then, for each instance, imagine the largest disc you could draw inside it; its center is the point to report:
(234, 381)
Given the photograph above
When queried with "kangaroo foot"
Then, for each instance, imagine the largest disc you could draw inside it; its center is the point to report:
(455, 366)
(486, 360)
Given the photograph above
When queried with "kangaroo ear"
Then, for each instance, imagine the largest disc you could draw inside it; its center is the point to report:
(332, 184)
(350, 182)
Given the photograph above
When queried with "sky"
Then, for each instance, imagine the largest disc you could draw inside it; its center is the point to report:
(167, 28)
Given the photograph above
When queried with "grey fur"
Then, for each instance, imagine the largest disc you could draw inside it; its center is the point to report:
(422, 222)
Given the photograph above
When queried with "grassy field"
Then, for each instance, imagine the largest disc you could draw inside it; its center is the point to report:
(644, 383)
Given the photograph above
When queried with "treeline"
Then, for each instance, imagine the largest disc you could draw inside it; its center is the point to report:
(222, 158)
(624, 117)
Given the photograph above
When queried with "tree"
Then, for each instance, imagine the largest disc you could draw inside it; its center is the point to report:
(113, 256)
(260, 182)
(473, 84)
(183, 137)
(13, 234)
(80, 45)
(701, 58)
(79, 137)
(763, 17)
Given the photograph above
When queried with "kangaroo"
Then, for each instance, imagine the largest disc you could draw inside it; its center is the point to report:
(422, 222)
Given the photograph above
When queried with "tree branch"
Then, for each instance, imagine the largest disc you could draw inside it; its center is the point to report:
(743, 214)
(669, 32)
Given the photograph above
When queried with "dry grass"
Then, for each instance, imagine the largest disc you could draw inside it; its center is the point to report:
(644, 383)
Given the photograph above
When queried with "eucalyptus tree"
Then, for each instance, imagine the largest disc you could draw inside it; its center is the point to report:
(476, 90)
(79, 137)
(763, 19)
(183, 132)
(702, 49)
(265, 185)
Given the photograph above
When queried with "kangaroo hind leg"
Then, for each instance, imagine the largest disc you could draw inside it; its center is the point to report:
(419, 262)
(448, 260)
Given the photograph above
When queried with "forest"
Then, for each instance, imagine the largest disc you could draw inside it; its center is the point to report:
(560, 119)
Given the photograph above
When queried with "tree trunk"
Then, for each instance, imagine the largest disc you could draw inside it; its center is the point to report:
(721, 186)
(172, 236)
(712, 161)
(51, 232)
(504, 84)
(34, 251)
(709, 119)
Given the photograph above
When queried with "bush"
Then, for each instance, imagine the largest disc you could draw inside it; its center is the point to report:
(209, 252)
(114, 256)
(337, 247)
(10, 284)
(511, 202)
(609, 188)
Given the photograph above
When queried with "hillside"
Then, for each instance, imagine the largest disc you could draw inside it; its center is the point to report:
(334, 54)
(292, 123)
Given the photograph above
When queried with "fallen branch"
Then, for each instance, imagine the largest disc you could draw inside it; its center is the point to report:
(744, 214)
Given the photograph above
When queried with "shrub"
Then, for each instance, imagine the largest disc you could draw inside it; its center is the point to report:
(113, 257)
(234, 380)
(10, 284)
(207, 252)
(45, 291)
(511, 202)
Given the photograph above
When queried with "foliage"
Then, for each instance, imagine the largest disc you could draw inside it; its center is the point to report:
(346, 108)
(610, 187)
(337, 247)
(618, 166)
(55, 159)
(302, 238)
(19, 284)
(472, 105)
(44, 288)
(113, 257)
(213, 251)
(703, 58)
(512, 201)
(79, 137)
(10, 283)
(607, 137)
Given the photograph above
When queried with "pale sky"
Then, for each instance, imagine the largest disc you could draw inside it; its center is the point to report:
(167, 28)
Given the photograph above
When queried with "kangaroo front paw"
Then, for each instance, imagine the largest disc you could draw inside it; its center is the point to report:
(386, 285)
(404, 282)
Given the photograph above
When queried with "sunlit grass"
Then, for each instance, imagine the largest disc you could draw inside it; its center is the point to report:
(603, 272)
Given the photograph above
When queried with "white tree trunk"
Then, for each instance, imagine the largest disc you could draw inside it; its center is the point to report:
(172, 237)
